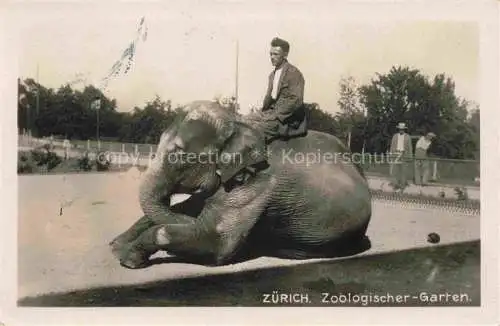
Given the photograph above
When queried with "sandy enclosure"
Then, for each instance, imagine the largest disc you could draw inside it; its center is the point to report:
(70, 251)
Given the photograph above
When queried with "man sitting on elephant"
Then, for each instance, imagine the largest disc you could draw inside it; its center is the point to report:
(283, 113)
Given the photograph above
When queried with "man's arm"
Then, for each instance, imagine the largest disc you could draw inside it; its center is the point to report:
(291, 95)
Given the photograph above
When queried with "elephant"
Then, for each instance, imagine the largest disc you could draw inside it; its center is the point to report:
(247, 198)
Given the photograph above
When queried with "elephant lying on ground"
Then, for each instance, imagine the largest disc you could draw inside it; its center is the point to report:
(294, 199)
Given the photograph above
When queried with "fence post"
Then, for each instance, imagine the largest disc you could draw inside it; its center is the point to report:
(123, 148)
(136, 149)
(391, 166)
(88, 145)
(434, 170)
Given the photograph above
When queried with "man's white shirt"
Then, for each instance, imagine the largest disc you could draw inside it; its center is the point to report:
(401, 143)
(276, 80)
(423, 143)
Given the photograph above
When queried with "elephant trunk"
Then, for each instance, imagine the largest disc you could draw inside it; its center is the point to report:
(159, 184)
(154, 195)
(163, 178)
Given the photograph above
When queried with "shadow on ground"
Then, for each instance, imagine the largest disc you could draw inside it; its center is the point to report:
(439, 275)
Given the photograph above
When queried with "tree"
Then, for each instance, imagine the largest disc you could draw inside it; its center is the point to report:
(351, 118)
(456, 135)
(322, 121)
(32, 98)
(349, 101)
(406, 95)
(146, 125)
(474, 121)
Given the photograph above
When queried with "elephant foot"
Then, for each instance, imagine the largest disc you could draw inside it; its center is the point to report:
(116, 243)
(139, 227)
(129, 256)
(135, 260)
(117, 247)
(135, 255)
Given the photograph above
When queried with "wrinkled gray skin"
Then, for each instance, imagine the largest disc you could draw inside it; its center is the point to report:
(276, 205)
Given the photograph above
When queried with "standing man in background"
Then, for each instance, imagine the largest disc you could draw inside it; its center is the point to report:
(67, 147)
(422, 167)
(401, 151)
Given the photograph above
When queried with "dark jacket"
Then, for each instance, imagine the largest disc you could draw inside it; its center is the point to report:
(288, 108)
(407, 152)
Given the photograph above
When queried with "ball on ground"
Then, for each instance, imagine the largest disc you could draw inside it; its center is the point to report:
(433, 237)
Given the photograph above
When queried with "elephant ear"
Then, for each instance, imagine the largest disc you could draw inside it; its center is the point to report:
(246, 147)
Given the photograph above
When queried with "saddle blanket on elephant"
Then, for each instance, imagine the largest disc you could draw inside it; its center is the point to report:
(273, 128)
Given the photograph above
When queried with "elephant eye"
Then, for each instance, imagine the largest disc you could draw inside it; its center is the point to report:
(175, 145)
(179, 144)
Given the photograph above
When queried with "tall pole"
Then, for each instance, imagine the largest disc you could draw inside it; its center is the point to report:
(97, 129)
(28, 111)
(37, 92)
(37, 88)
(236, 72)
(365, 113)
(98, 108)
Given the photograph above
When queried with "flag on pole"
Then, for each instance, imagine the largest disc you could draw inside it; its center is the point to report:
(143, 29)
(123, 65)
(129, 51)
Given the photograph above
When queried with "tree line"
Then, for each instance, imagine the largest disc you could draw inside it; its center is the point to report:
(366, 116)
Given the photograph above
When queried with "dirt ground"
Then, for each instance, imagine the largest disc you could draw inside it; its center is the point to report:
(64, 252)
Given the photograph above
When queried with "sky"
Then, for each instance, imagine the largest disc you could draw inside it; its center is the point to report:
(190, 53)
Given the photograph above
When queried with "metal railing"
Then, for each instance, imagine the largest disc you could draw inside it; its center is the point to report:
(87, 145)
(436, 170)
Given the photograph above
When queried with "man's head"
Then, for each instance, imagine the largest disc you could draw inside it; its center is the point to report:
(430, 136)
(401, 127)
(279, 51)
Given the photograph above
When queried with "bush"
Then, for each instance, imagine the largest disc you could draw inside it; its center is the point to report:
(53, 160)
(39, 155)
(25, 163)
(42, 157)
(84, 162)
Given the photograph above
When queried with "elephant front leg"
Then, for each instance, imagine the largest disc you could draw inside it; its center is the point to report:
(215, 236)
(131, 234)
(125, 240)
